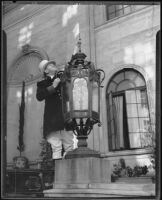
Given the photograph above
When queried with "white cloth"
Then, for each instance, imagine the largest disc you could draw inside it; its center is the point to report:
(61, 138)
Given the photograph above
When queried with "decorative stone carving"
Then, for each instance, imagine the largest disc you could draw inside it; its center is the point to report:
(25, 66)
(26, 49)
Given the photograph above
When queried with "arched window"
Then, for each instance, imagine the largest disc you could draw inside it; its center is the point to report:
(127, 110)
(25, 66)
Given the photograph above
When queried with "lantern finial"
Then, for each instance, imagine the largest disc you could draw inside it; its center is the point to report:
(79, 44)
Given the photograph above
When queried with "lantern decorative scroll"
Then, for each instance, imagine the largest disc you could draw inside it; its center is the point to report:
(81, 100)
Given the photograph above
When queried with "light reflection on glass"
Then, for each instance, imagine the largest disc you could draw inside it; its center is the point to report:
(80, 94)
(95, 97)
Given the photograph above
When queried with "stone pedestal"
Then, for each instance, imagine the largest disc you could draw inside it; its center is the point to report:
(82, 170)
(79, 173)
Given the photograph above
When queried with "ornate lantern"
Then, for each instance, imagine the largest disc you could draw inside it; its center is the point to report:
(81, 100)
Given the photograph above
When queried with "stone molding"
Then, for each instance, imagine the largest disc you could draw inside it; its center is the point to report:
(13, 21)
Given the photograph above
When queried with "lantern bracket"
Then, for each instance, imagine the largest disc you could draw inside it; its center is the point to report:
(100, 71)
(82, 128)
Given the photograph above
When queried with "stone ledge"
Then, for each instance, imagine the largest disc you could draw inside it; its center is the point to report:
(110, 186)
(102, 190)
(126, 153)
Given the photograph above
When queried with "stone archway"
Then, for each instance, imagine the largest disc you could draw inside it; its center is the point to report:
(25, 68)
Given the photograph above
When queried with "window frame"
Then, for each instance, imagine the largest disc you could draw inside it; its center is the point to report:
(123, 92)
(132, 9)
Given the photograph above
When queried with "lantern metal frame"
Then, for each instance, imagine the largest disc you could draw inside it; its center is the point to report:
(81, 122)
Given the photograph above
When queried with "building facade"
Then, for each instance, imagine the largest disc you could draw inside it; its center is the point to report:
(120, 39)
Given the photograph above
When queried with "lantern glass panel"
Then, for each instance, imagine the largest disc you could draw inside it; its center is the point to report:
(95, 97)
(80, 94)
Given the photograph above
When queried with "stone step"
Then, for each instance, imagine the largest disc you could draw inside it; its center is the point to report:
(101, 190)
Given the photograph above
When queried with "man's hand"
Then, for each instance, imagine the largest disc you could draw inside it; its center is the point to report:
(56, 82)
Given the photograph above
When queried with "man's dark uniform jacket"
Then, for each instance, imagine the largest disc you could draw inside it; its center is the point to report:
(53, 116)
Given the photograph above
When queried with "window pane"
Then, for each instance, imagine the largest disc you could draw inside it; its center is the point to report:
(127, 10)
(130, 75)
(146, 139)
(133, 125)
(130, 96)
(119, 13)
(143, 110)
(135, 140)
(144, 124)
(118, 7)
(139, 81)
(138, 95)
(143, 97)
(112, 87)
(118, 78)
(132, 110)
(125, 85)
(111, 8)
(111, 15)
